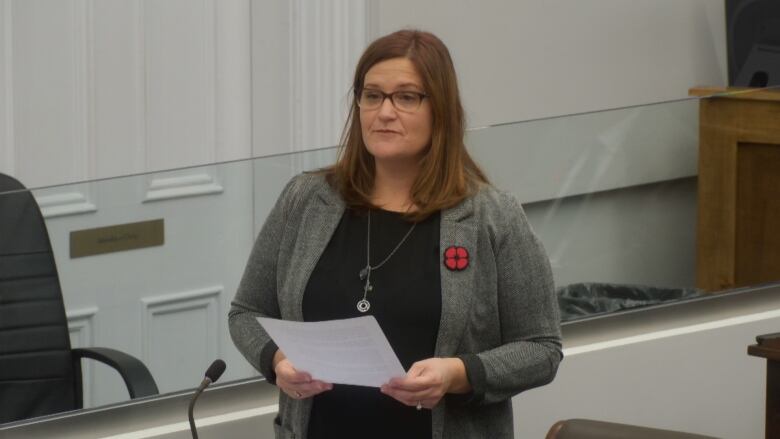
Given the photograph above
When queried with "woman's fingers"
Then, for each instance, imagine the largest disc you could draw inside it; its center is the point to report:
(428, 398)
(411, 391)
(285, 370)
(298, 384)
(306, 390)
(423, 386)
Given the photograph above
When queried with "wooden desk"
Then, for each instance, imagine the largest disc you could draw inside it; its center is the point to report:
(738, 234)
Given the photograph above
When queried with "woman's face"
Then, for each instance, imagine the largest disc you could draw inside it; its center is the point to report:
(391, 135)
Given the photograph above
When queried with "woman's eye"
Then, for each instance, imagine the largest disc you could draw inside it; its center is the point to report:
(406, 97)
(372, 95)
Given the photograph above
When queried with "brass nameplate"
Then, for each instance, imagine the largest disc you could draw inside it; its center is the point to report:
(89, 242)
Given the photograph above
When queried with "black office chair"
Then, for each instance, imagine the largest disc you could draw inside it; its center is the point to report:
(591, 429)
(39, 372)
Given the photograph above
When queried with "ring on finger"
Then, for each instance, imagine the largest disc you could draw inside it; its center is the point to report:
(419, 405)
(298, 394)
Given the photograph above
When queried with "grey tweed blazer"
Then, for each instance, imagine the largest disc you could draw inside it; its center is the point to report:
(500, 314)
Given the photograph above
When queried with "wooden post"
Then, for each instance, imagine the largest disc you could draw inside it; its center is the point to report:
(738, 243)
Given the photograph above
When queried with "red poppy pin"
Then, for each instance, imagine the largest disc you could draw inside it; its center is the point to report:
(456, 258)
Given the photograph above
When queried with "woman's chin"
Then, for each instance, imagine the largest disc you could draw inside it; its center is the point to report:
(396, 159)
(393, 153)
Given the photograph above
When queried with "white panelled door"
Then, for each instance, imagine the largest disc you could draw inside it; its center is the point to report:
(101, 88)
(92, 89)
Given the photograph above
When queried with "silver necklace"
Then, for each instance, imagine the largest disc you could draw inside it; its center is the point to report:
(363, 304)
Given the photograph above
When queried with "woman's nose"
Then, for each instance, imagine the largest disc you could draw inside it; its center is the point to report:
(387, 110)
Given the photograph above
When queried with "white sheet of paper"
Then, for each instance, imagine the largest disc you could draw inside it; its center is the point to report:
(350, 351)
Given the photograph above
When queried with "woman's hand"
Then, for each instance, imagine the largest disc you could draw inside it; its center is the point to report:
(296, 384)
(428, 381)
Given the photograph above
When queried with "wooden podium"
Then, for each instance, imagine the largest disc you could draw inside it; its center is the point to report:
(738, 235)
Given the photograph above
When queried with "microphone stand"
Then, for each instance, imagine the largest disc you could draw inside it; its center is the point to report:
(191, 408)
(212, 374)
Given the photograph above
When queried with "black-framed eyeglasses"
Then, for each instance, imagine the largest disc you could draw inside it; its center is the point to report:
(403, 100)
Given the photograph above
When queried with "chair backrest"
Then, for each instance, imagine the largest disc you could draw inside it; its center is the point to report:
(591, 429)
(36, 365)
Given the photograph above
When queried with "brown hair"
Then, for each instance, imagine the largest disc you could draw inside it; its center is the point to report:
(447, 173)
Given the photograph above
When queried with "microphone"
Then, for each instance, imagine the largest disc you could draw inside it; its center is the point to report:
(212, 375)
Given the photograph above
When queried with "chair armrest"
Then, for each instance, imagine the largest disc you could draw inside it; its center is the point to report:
(137, 377)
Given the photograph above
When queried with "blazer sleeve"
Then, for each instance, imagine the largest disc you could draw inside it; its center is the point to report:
(529, 317)
(257, 291)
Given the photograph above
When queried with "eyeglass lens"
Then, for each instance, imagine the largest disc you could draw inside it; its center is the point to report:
(402, 100)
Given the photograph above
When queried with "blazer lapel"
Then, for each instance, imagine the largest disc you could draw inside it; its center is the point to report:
(457, 229)
(316, 229)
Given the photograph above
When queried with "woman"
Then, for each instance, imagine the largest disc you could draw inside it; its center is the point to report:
(404, 227)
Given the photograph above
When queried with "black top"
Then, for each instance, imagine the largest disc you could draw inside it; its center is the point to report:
(405, 300)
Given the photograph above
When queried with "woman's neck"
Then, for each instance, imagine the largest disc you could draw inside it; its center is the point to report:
(393, 187)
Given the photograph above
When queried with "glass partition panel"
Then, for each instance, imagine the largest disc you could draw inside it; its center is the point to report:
(626, 214)
(612, 195)
(148, 263)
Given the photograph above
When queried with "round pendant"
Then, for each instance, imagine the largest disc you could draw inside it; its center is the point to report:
(363, 305)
